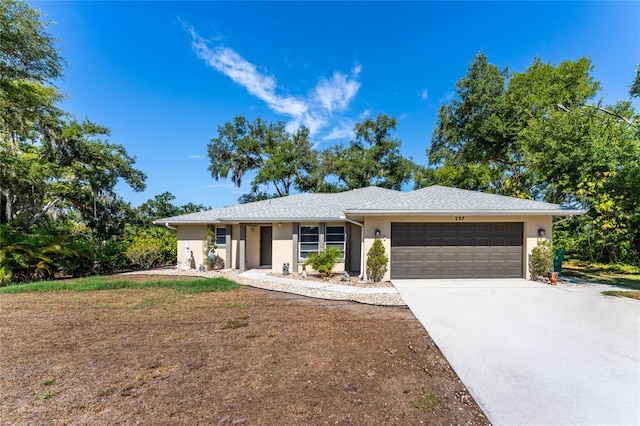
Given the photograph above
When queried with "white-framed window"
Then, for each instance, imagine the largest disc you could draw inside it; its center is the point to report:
(334, 236)
(221, 235)
(309, 241)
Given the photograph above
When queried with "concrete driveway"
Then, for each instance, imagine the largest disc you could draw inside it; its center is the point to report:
(534, 354)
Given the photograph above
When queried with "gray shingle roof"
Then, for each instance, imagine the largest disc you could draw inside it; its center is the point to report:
(370, 201)
(294, 207)
(444, 200)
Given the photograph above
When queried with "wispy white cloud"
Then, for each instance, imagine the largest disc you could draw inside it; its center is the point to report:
(197, 157)
(423, 94)
(366, 113)
(342, 131)
(335, 94)
(314, 111)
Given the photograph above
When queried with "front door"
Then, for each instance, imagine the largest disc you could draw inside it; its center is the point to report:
(265, 245)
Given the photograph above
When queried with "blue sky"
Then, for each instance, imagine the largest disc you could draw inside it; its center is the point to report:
(164, 75)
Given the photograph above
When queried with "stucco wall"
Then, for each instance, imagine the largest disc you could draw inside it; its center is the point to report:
(192, 234)
(383, 223)
(282, 246)
(253, 247)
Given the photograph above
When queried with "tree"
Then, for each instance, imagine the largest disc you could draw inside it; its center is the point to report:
(68, 167)
(280, 160)
(542, 134)
(473, 147)
(373, 158)
(161, 206)
(634, 90)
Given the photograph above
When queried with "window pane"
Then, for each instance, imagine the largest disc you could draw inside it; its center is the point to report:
(335, 229)
(335, 238)
(338, 245)
(309, 230)
(309, 238)
(309, 247)
(221, 236)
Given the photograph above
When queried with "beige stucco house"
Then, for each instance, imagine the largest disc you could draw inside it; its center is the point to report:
(434, 232)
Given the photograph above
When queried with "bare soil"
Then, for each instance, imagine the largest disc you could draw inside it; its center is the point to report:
(247, 356)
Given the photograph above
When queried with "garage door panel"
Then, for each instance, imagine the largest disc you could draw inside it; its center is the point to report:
(450, 250)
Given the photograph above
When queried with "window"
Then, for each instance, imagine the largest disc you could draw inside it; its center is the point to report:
(335, 237)
(221, 236)
(309, 241)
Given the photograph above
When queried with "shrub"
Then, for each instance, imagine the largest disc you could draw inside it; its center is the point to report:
(324, 261)
(27, 256)
(77, 256)
(209, 246)
(145, 251)
(376, 261)
(111, 256)
(541, 260)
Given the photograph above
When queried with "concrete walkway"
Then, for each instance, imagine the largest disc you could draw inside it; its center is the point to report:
(534, 354)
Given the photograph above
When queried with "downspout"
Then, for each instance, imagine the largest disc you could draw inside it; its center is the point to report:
(170, 227)
(361, 225)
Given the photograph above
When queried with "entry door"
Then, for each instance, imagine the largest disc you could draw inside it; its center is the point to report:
(265, 245)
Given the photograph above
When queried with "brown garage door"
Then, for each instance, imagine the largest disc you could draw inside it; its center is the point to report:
(456, 250)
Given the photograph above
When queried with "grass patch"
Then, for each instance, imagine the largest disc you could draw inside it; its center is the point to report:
(616, 275)
(622, 293)
(239, 305)
(426, 402)
(48, 382)
(233, 323)
(47, 395)
(196, 285)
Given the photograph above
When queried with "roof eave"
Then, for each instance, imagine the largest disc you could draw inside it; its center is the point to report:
(249, 220)
(465, 212)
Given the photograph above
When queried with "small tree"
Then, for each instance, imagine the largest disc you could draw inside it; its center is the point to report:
(541, 260)
(324, 261)
(209, 247)
(376, 261)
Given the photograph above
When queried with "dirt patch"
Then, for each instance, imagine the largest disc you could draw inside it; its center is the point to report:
(242, 357)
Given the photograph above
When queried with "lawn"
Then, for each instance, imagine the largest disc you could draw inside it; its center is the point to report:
(153, 353)
(616, 275)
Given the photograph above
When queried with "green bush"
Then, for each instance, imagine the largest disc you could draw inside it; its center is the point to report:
(324, 261)
(377, 261)
(77, 256)
(111, 256)
(541, 259)
(145, 251)
(27, 256)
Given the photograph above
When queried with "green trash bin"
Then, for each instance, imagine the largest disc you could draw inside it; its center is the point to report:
(557, 261)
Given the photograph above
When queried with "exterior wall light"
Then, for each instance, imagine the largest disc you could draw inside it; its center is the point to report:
(377, 233)
(542, 232)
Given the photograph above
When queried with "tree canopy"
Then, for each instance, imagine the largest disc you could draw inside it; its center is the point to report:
(543, 134)
(281, 162)
(48, 160)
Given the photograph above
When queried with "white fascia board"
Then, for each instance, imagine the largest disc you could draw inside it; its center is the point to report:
(250, 220)
(465, 212)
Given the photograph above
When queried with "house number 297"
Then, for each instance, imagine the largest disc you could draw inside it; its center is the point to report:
(458, 218)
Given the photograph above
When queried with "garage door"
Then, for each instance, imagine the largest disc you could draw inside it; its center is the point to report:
(456, 250)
